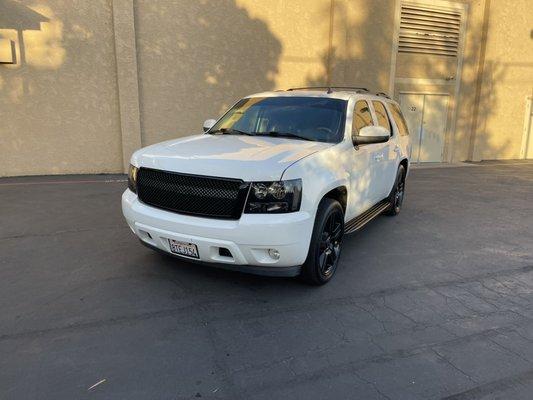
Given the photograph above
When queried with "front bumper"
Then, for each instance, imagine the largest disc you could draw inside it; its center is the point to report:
(248, 239)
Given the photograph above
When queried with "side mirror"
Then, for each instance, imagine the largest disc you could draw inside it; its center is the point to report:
(371, 134)
(208, 124)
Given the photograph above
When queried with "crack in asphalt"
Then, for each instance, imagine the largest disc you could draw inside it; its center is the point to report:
(451, 364)
(346, 300)
(356, 366)
(62, 232)
(494, 387)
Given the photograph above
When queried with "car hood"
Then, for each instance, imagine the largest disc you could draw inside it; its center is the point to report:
(231, 156)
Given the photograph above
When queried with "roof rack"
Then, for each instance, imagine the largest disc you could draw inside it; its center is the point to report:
(383, 94)
(330, 89)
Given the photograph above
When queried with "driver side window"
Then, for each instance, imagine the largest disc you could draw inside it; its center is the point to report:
(361, 117)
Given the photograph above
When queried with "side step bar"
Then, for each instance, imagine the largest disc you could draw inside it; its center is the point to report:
(363, 219)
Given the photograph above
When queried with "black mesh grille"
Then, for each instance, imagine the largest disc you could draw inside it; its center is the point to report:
(192, 194)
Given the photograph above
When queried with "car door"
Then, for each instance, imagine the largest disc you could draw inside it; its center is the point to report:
(403, 140)
(363, 193)
(388, 153)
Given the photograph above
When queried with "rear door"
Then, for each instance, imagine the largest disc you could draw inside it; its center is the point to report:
(412, 107)
(386, 167)
(367, 162)
(402, 131)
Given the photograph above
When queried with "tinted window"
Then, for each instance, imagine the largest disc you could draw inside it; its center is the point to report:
(398, 118)
(381, 114)
(361, 117)
(311, 118)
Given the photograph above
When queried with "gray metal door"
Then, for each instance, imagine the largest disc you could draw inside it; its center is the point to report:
(426, 116)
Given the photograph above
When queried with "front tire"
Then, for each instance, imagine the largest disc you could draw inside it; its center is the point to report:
(326, 240)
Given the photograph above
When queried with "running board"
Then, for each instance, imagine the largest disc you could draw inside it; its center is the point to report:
(363, 219)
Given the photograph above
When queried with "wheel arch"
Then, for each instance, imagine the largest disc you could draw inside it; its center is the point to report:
(339, 193)
(405, 163)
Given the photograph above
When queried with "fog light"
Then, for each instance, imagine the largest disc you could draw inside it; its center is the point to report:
(273, 253)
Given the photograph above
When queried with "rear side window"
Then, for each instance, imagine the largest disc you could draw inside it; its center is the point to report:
(361, 117)
(398, 118)
(381, 114)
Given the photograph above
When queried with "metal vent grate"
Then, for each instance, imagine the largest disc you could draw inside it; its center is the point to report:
(429, 31)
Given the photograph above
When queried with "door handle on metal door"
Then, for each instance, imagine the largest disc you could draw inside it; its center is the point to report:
(378, 157)
(397, 149)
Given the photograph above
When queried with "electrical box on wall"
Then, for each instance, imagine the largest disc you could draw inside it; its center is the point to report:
(8, 54)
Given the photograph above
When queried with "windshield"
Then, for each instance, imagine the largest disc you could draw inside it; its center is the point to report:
(305, 118)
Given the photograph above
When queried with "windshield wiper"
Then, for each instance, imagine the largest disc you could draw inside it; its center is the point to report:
(283, 134)
(231, 131)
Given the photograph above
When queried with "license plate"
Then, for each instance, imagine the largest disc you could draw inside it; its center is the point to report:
(183, 248)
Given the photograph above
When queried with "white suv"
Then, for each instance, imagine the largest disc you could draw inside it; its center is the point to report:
(271, 187)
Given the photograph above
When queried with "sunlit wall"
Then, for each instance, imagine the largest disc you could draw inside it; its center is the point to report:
(63, 110)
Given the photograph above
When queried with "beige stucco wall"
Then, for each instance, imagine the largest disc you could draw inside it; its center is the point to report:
(507, 78)
(368, 28)
(494, 81)
(459, 138)
(59, 110)
(67, 110)
(193, 68)
(195, 58)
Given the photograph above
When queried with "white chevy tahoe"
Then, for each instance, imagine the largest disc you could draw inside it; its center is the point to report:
(273, 185)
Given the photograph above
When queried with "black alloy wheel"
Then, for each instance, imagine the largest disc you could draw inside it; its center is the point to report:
(326, 243)
(398, 193)
(330, 244)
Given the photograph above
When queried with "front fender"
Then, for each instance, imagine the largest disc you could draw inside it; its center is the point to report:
(320, 173)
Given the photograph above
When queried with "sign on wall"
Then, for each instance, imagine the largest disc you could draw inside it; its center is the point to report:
(8, 54)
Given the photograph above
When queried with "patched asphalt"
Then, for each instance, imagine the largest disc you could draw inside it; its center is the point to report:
(435, 303)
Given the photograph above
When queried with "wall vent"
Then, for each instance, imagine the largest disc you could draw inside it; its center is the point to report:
(429, 31)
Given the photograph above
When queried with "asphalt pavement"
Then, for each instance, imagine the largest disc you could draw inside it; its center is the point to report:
(434, 303)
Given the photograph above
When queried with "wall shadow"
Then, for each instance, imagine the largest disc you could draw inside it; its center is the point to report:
(360, 56)
(61, 96)
(195, 58)
(360, 45)
(14, 15)
(19, 18)
(212, 54)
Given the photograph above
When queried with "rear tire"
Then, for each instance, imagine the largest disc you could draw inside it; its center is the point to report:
(398, 193)
(326, 243)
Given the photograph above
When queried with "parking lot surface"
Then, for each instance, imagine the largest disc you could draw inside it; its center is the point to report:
(435, 303)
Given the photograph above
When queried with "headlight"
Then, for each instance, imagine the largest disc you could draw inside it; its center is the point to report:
(132, 178)
(274, 197)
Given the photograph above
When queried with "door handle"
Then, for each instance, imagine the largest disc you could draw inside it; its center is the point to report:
(397, 149)
(378, 157)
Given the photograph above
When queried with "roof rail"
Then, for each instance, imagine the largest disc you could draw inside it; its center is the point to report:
(383, 94)
(330, 89)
